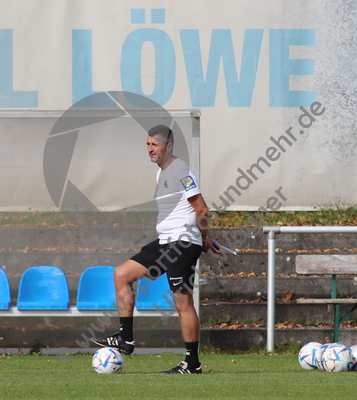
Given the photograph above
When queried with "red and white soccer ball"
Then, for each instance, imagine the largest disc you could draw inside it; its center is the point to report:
(337, 358)
(107, 361)
(307, 355)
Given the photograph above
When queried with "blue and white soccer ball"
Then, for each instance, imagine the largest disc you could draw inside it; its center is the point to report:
(307, 355)
(337, 358)
(319, 353)
(107, 361)
(353, 350)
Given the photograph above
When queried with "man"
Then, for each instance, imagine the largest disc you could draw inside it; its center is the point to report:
(182, 227)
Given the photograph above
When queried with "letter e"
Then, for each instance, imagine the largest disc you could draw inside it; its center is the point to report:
(271, 203)
(315, 111)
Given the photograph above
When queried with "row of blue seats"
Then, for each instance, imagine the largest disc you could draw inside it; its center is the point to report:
(46, 288)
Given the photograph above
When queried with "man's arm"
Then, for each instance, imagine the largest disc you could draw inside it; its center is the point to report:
(200, 207)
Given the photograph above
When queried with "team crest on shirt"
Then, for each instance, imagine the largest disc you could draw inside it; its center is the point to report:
(188, 183)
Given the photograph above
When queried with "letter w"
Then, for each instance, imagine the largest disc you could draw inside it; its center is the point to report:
(203, 91)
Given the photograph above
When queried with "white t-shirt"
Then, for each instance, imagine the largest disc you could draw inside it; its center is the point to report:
(176, 184)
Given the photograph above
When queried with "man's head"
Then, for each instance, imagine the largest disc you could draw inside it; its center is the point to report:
(163, 134)
(160, 143)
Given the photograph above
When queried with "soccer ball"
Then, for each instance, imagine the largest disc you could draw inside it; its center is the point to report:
(319, 353)
(307, 355)
(353, 350)
(337, 358)
(107, 361)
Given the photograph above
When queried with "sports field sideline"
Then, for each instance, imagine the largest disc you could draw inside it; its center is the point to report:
(225, 376)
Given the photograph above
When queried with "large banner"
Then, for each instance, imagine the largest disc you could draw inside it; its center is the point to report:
(275, 81)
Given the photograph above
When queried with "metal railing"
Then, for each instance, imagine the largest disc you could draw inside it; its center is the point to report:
(272, 231)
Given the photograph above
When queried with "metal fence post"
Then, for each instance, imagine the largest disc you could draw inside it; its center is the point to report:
(271, 291)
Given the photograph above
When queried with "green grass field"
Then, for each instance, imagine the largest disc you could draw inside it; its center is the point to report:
(251, 376)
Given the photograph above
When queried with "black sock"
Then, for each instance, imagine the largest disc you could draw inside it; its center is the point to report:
(192, 354)
(126, 328)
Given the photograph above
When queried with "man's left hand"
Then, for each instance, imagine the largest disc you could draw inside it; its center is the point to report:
(207, 244)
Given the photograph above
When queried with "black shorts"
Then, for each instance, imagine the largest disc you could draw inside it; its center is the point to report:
(177, 260)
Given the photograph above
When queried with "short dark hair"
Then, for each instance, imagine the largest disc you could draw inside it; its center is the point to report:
(164, 131)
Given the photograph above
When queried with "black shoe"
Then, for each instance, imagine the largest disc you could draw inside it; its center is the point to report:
(117, 342)
(182, 368)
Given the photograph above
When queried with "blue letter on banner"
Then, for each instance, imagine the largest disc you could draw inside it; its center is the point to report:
(9, 97)
(281, 67)
(203, 91)
(165, 64)
(82, 66)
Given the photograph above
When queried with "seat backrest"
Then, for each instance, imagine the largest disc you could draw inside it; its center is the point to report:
(96, 289)
(326, 264)
(5, 296)
(151, 293)
(43, 288)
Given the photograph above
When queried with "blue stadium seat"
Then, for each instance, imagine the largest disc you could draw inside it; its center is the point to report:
(96, 289)
(148, 295)
(5, 296)
(43, 288)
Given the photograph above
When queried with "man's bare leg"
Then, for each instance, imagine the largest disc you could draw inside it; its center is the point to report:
(190, 329)
(190, 324)
(124, 277)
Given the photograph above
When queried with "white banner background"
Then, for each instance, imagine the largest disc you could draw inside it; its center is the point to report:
(38, 54)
